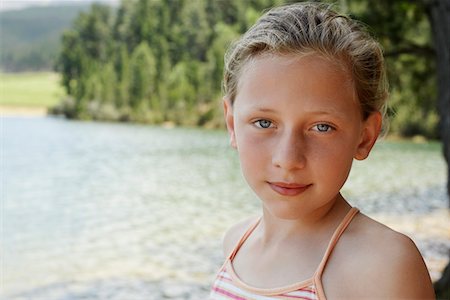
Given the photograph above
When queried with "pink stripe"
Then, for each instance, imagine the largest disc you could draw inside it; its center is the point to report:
(299, 297)
(306, 290)
(287, 295)
(224, 278)
(228, 294)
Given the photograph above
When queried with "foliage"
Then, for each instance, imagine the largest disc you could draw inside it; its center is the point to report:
(162, 61)
(404, 31)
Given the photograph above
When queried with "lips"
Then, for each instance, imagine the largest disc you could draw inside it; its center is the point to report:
(288, 189)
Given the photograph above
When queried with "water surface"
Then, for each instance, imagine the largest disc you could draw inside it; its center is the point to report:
(84, 201)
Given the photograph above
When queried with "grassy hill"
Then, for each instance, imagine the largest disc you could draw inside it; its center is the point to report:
(30, 38)
(42, 89)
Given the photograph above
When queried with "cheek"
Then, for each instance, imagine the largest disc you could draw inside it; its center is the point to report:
(252, 166)
(254, 152)
(332, 160)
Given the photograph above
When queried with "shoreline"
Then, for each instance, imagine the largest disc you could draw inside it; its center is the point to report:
(23, 111)
(42, 111)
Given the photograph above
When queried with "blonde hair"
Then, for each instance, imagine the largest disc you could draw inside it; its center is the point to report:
(303, 28)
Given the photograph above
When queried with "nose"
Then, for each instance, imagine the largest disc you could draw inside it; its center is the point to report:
(290, 152)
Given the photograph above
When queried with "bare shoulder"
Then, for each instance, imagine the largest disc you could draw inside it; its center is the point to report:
(235, 232)
(384, 263)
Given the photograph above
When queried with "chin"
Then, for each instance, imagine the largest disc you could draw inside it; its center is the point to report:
(284, 211)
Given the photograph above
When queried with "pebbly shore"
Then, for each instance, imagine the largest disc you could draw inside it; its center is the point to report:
(426, 222)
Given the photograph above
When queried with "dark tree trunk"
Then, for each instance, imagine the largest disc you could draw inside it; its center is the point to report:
(439, 16)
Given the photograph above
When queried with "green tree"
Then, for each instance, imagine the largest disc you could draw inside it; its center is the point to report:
(123, 77)
(181, 96)
(84, 49)
(142, 79)
(69, 63)
(94, 30)
(225, 34)
(195, 31)
(108, 80)
(190, 38)
(403, 29)
(122, 25)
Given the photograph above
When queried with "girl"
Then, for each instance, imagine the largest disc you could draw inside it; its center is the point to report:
(305, 92)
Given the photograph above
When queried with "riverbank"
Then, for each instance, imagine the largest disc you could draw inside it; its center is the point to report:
(23, 111)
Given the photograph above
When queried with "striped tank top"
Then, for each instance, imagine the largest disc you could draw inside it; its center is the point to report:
(228, 285)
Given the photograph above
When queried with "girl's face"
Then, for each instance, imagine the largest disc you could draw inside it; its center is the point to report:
(297, 125)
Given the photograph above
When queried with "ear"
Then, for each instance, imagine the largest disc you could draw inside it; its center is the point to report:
(371, 131)
(229, 120)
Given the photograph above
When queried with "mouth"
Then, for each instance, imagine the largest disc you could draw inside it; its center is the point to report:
(288, 189)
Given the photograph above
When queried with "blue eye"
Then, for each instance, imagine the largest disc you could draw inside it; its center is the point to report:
(263, 123)
(323, 128)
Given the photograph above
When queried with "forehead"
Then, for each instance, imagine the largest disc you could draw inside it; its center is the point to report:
(308, 59)
(294, 84)
(296, 73)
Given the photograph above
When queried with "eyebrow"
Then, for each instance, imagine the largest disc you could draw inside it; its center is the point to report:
(329, 112)
(262, 109)
(325, 112)
(318, 112)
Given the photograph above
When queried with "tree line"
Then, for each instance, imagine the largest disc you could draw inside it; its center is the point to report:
(160, 61)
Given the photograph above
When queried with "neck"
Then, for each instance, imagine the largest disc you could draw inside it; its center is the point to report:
(323, 221)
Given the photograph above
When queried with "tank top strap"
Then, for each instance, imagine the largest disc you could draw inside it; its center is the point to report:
(335, 238)
(243, 239)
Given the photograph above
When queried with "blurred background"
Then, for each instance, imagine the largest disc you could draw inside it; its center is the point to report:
(117, 181)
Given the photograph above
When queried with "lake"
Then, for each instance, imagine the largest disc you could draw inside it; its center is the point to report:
(121, 211)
